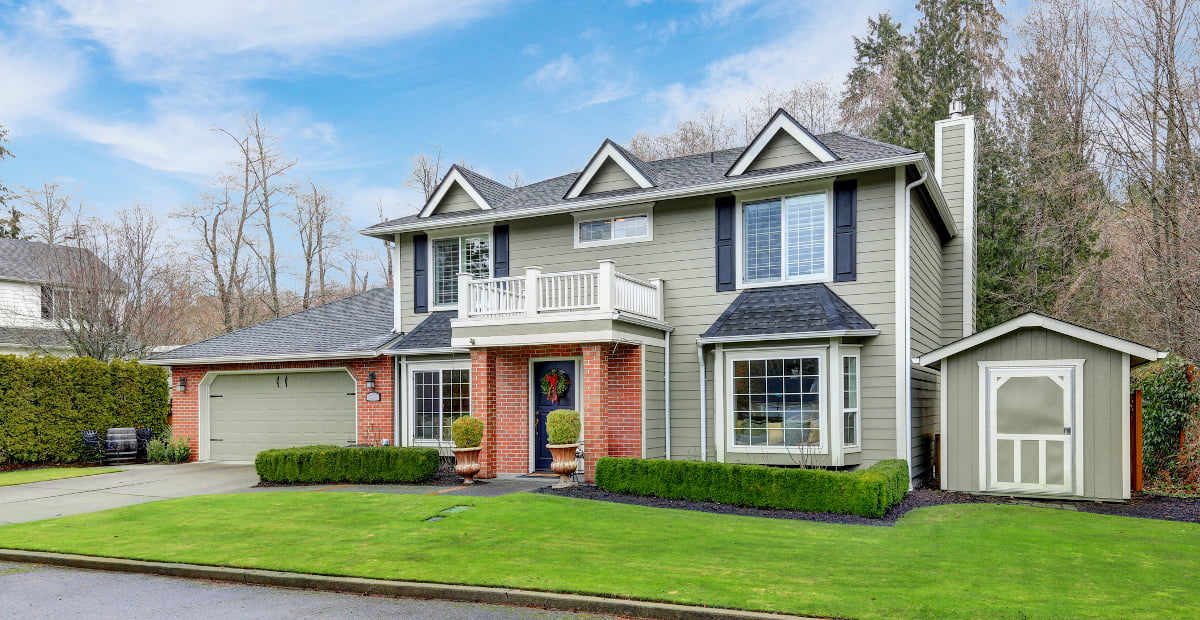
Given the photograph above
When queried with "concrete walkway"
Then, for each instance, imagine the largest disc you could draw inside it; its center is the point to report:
(139, 484)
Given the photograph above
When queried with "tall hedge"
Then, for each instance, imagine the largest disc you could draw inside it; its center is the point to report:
(866, 492)
(46, 401)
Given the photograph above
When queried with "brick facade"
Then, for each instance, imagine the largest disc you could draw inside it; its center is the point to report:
(609, 395)
(375, 420)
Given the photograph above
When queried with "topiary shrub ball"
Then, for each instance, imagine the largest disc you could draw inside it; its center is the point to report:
(467, 432)
(562, 426)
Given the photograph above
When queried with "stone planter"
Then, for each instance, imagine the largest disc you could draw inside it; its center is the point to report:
(466, 463)
(564, 462)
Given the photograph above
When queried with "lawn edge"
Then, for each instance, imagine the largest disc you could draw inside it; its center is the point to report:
(385, 587)
(111, 470)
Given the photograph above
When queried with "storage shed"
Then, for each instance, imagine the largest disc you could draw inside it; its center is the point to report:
(1037, 406)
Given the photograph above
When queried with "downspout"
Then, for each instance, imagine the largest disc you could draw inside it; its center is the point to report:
(397, 385)
(907, 327)
(667, 391)
(703, 404)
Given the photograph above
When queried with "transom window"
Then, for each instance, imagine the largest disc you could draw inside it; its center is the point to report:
(468, 254)
(439, 398)
(850, 398)
(784, 239)
(777, 402)
(623, 228)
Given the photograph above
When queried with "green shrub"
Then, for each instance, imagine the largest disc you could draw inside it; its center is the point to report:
(467, 432)
(866, 492)
(562, 426)
(46, 401)
(332, 464)
(1168, 403)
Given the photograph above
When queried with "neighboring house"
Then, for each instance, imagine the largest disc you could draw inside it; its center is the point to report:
(763, 304)
(32, 298)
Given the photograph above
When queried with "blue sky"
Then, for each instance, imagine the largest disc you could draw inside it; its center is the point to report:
(117, 100)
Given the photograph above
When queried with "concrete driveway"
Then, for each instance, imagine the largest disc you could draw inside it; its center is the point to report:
(138, 484)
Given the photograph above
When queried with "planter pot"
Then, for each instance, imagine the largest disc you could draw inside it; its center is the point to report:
(466, 463)
(564, 462)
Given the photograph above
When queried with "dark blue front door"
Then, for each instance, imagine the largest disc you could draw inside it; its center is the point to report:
(543, 404)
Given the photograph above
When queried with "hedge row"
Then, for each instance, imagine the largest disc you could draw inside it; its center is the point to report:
(46, 401)
(332, 464)
(867, 492)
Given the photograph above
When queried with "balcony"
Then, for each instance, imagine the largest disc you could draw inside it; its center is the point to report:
(543, 307)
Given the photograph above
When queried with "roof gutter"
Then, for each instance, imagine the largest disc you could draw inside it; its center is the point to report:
(260, 358)
(433, 351)
(739, 183)
(837, 333)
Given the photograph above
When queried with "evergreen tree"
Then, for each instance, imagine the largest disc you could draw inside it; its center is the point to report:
(871, 84)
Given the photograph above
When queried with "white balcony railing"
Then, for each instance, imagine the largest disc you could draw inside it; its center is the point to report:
(536, 293)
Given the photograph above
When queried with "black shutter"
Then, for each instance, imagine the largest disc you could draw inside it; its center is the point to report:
(420, 273)
(726, 265)
(845, 235)
(500, 251)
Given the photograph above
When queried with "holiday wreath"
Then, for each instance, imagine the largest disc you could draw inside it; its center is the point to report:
(555, 384)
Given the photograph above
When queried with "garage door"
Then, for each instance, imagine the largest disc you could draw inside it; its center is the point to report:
(252, 413)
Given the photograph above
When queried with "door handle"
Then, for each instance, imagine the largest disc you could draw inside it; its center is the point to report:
(215, 439)
(1066, 430)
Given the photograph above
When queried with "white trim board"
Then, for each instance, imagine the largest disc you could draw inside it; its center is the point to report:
(1033, 319)
(608, 151)
(782, 121)
(839, 333)
(454, 176)
(408, 406)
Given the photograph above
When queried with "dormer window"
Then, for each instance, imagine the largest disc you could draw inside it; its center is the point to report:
(786, 239)
(451, 255)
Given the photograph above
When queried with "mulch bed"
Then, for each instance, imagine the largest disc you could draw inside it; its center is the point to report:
(444, 478)
(1142, 505)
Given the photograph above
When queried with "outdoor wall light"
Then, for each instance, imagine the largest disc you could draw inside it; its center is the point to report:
(181, 384)
(372, 396)
(371, 381)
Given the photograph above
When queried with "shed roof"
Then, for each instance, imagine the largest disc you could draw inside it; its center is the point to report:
(1138, 352)
(797, 311)
(431, 334)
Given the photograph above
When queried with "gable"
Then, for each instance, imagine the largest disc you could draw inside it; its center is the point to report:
(456, 199)
(609, 177)
(782, 150)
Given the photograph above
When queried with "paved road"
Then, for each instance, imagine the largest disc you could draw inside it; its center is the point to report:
(35, 591)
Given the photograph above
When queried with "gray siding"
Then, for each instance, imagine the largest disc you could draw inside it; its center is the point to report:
(655, 411)
(1104, 408)
(952, 160)
(782, 150)
(608, 178)
(456, 199)
(925, 312)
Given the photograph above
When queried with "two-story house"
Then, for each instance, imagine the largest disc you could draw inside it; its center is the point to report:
(761, 304)
(34, 297)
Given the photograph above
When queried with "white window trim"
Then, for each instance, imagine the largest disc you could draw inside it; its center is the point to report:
(410, 405)
(454, 176)
(740, 241)
(433, 305)
(857, 355)
(646, 209)
(724, 419)
(607, 151)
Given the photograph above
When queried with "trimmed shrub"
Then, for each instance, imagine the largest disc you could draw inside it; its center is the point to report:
(46, 401)
(467, 432)
(332, 464)
(562, 426)
(1169, 403)
(867, 492)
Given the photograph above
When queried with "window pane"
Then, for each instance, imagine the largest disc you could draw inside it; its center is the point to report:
(772, 406)
(629, 227)
(476, 256)
(850, 434)
(762, 238)
(850, 382)
(595, 231)
(439, 398)
(805, 235)
(426, 405)
(445, 271)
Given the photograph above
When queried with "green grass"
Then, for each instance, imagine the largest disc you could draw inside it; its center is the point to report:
(959, 561)
(22, 476)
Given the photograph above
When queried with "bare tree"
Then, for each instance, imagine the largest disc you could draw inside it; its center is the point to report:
(708, 132)
(321, 230)
(53, 215)
(815, 104)
(425, 172)
(385, 261)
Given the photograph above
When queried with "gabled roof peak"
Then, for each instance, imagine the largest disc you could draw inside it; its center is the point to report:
(635, 169)
(781, 123)
(485, 192)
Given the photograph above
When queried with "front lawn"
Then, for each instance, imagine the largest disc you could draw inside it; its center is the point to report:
(22, 476)
(948, 561)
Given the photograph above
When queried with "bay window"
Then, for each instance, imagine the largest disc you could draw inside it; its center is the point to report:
(850, 400)
(785, 239)
(452, 255)
(777, 402)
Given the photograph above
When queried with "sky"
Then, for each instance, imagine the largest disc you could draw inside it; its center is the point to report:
(118, 100)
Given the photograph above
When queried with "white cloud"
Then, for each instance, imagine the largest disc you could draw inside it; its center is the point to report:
(593, 79)
(35, 77)
(556, 74)
(166, 40)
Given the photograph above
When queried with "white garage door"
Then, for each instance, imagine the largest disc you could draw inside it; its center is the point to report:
(255, 412)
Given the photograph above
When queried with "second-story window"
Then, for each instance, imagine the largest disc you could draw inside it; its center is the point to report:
(469, 254)
(784, 239)
(624, 228)
(56, 303)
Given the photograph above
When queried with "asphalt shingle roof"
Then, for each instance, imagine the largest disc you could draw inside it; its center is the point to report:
(432, 333)
(31, 336)
(492, 191)
(32, 261)
(361, 322)
(795, 309)
(673, 173)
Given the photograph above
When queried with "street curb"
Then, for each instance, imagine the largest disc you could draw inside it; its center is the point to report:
(383, 587)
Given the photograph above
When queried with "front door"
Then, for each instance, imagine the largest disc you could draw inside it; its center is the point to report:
(549, 394)
(1031, 424)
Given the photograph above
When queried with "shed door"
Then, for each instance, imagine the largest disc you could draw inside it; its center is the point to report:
(1031, 429)
(249, 413)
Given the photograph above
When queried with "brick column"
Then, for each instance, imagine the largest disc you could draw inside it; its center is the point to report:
(483, 406)
(595, 406)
